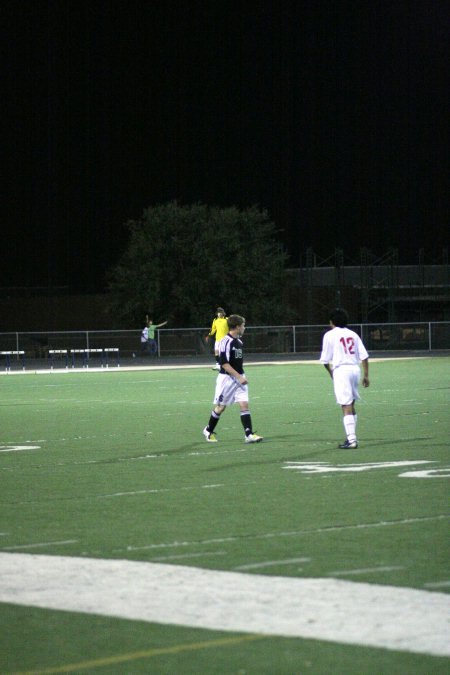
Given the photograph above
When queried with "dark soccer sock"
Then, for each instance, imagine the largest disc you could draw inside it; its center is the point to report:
(246, 420)
(213, 421)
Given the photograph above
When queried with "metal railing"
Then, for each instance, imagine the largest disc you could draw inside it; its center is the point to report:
(41, 347)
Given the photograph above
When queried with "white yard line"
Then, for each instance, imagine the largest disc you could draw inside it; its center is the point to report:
(187, 488)
(203, 554)
(293, 533)
(364, 570)
(334, 610)
(40, 545)
(326, 467)
(437, 584)
(270, 563)
(18, 448)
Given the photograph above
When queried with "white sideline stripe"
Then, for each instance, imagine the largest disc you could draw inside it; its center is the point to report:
(40, 545)
(294, 533)
(322, 609)
(365, 570)
(180, 366)
(271, 563)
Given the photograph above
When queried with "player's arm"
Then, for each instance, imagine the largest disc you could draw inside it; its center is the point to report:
(161, 324)
(328, 367)
(212, 331)
(326, 355)
(228, 368)
(365, 367)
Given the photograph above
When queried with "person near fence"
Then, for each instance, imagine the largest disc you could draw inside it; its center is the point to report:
(232, 383)
(148, 342)
(219, 328)
(343, 354)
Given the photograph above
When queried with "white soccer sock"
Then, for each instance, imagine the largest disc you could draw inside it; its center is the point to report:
(350, 427)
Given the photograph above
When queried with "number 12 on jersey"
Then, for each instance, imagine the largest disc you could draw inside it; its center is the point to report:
(348, 345)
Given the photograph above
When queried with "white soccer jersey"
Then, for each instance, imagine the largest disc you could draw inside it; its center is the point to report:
(144, 335)
(342, 347)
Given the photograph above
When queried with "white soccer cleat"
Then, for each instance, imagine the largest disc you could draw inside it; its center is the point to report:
(253, 438)
(211, 438)
(348, 444)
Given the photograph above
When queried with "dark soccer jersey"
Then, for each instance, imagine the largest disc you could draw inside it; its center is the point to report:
(230, 351)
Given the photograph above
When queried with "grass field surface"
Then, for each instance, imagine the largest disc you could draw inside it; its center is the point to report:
(130, 545)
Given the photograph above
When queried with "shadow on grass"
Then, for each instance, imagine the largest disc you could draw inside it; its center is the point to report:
(330, 452)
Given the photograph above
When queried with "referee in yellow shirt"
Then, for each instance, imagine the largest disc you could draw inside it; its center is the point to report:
(219, 329)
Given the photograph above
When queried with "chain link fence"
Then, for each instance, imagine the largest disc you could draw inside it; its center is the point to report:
(105, 348)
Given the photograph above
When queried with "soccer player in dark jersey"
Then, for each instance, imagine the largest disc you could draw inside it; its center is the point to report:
(231, 383)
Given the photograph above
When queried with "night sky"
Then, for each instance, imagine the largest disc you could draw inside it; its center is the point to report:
(332, 115)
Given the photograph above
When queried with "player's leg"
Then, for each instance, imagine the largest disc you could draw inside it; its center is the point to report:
(246, 421)
(223, 396)
(346, 390)
(214, 418)
(349, 421)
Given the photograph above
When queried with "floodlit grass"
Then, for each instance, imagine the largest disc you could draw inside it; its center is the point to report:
(121, 470)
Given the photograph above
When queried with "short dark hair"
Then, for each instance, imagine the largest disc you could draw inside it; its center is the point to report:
(339, 317)
(221, 310)
(235, 320)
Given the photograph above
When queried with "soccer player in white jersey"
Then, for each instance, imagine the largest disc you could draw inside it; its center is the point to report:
(342, 353)
(231, 383)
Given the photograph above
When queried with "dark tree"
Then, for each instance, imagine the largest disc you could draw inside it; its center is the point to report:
(183, 261)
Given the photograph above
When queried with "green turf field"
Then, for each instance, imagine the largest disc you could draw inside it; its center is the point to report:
(113, 465)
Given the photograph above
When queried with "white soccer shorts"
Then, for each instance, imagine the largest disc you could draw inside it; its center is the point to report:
(346, 384)
(229, 391)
